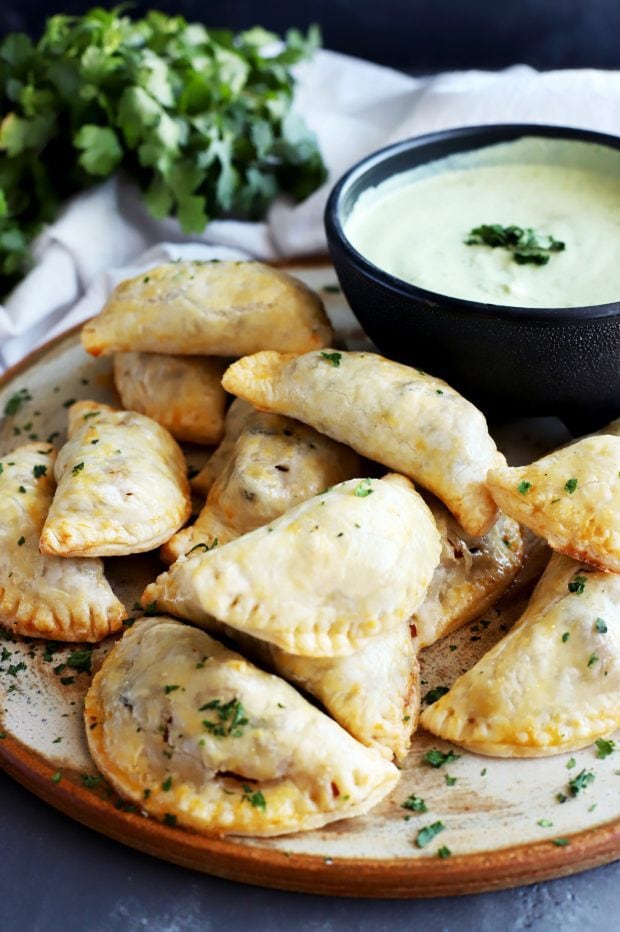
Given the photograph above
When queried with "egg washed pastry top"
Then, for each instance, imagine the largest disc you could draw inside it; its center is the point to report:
(472, 574)
(182, 393)
(41, 596)
(340, 568)
(552, 684)
(122, 485)
(192, 732)
(276, 463)
(373, 693)
(210, 309)
(236, 417)
(570, 497)
(401, 417)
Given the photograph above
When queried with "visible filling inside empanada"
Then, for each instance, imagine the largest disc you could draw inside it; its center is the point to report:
(331, 573)
(275, 464)
(472, 574)
(552, 684)
(398, 416)
(197, 736)
(374, 693)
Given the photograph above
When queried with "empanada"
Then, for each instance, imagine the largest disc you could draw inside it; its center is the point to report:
(340, 568)
(236, 417)
(552, 684)
(401, 417)
(275, 464)
(40, 596)
(209, 309)
(373, 693)
(182, 393)
(122, 485)
(570, 497)
(197, 736)
(472, 574)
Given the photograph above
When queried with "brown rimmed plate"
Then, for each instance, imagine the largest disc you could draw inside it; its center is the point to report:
(491, 809)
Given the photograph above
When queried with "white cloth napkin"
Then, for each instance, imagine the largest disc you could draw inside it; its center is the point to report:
(106, 235)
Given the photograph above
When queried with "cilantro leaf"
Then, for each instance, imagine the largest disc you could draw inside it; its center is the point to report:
(426, 834)
(436, 758)
(201, 120)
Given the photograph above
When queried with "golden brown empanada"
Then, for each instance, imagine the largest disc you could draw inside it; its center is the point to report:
(373, 693)
(40, 596)
(275, 464)
(182, 393)
(236, 417)
(570, 497)
(122, 485)
(401, 417)
(552, 684)
(472, 574)
(340, 568)
(209, 309)
(197, 736)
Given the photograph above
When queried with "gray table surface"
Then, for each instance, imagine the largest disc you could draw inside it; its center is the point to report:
(57, 875)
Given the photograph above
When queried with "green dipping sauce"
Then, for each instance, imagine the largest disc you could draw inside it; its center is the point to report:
(415, 225)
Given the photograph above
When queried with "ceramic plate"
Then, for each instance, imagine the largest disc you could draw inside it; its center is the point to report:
(502, 822)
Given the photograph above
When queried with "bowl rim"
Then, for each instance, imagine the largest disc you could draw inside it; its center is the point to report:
(481, 135)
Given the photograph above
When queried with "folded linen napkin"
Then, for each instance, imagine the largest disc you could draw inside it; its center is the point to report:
(105, 235)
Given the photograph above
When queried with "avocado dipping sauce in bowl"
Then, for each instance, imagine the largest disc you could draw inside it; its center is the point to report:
(491, 256)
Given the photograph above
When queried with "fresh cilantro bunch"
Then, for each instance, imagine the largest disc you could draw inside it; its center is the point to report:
(201, 119)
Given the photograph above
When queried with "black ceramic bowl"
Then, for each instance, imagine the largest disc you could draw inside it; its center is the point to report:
(509, 360)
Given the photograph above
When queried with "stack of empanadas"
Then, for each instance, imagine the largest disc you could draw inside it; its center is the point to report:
(553, 683)
(172, 329)
(321, 568)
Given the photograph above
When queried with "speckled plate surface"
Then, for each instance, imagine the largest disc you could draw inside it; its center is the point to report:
(502, 821)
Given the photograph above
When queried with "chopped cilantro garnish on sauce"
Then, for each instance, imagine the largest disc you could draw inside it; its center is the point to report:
(570, 485)
(333, 358)
(524, 487)
(526, 245)
(600, 626)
